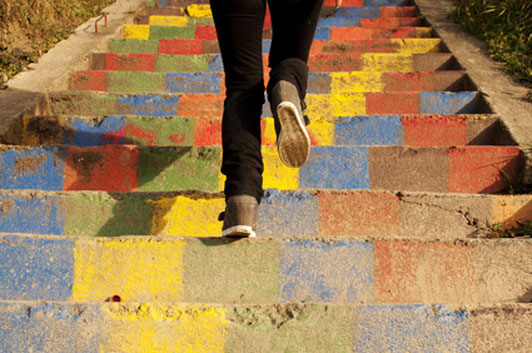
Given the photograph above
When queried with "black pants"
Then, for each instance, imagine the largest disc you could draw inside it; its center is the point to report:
(239, 25)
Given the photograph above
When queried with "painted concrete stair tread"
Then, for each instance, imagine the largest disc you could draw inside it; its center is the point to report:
(399, 28)
(390, 62)
(407, 130)
(385, 18)
(354, 3)
(166, 6)
(172, 3)
(328, 28)
(327, 83)
(339, 271)
(469, 169)
(235, 328)
(318, 105)
(181, 27)
(364, 33)
(364, 17)
(197, 46)
(327, 3)
(180, 16)
(292, 213)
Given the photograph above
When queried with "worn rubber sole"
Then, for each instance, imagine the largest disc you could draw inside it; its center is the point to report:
(239, 231)
(293, 143)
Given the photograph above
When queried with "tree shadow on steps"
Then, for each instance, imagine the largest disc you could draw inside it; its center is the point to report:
(103, 159)
(164, 214)
(24, 122)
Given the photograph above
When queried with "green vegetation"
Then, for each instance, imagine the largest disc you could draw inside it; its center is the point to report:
(522, 229)
(506, 27)
(29, 28)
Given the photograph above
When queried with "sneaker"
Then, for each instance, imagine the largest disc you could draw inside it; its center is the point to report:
(240, 216)
(293, 141)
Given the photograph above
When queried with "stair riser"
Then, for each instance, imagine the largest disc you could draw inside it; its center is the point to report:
(324, 83)
(318, 105)
(474, 169)
(364, 17)
(290, 213)
(196, 271)
(346, 3)
(319, 47)
(318, 63)
(201, 29)
(161, 4)
(331, 28)
(406, 130)
(63, 328)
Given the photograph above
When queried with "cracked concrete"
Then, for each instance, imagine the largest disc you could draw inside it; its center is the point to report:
(506, 97)
(422, 216)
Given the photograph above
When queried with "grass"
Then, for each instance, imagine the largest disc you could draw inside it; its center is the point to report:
(506, 27)
(522, 229)
(29, 28)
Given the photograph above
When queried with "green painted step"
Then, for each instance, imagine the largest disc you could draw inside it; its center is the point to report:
(319, 83)
(318, 105)
(292, 213)
(303, 327)
(317, 63)
(247, 271)
(122, 168)
(407, 130)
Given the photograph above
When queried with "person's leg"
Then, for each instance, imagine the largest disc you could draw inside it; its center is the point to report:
(239, 26)
(293, 25)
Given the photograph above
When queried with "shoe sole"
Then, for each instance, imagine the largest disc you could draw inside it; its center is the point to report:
(294, 142)
(239, 231)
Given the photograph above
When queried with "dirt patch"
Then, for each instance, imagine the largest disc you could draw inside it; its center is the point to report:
(29, 164)
(336, 48)
(501, 311)
(278, 315)
(6, 206)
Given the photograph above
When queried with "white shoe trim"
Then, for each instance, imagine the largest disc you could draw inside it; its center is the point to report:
(239, 231)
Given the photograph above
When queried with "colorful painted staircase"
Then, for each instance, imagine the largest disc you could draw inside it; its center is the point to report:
(380, 243)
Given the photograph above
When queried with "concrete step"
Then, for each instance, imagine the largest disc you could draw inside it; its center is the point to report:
(319, 47)
(193, 11)
(347, 271)
(361, 33)
(319, 83)
(138, 328)
(162, 4)
(292, 213)
(385, 62)
(318, 105)
(364, 17)
(179, 27)
(398, 130)
(175, 3)
(469, 169)
(345, 15)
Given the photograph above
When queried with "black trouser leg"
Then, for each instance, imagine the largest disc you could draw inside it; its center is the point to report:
(293, 24)
(239, 26)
